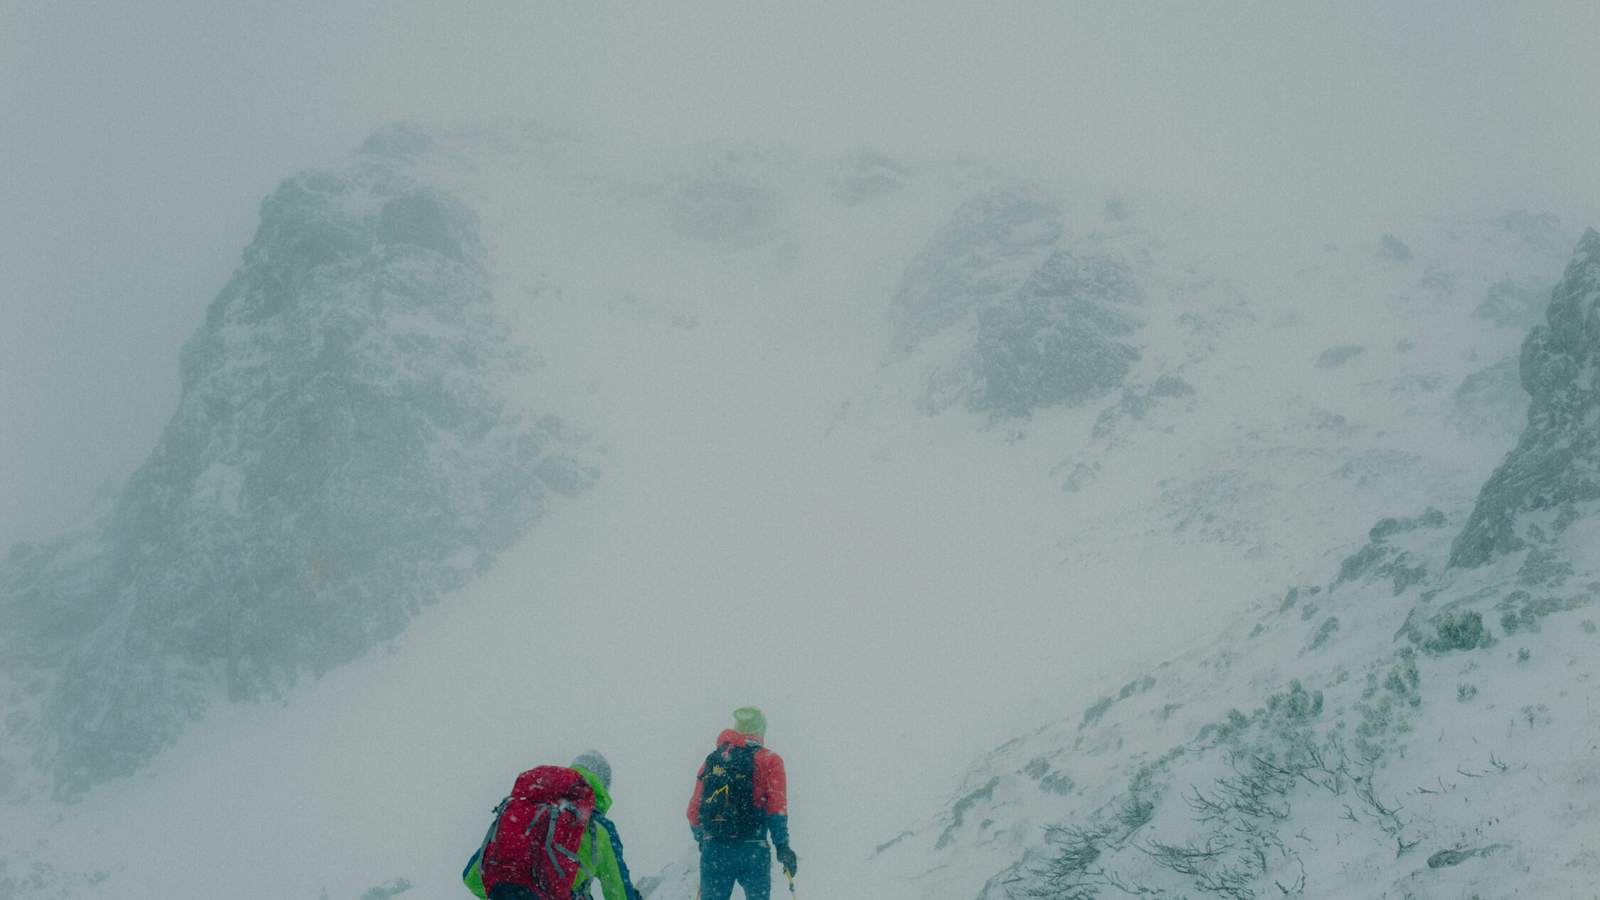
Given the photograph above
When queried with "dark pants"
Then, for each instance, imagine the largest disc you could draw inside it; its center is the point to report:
(724, 862)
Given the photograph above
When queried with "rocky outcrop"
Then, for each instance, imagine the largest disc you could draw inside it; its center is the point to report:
(1049, 323)
(986, 251)
(1055, 341)
(865, 176)
(1556, 463)
(341, 454)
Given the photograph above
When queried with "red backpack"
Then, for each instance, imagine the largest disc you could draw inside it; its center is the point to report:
(537, 831)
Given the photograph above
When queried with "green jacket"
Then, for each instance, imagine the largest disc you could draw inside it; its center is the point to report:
(599, 854)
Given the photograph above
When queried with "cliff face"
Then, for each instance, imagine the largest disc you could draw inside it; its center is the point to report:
(1050, 321)
(341, 454)
(1056, 340)
(1537, 492)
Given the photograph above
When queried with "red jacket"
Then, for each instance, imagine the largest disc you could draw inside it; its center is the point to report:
(770, 786)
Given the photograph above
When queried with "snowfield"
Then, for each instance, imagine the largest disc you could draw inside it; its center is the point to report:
(1147, 510)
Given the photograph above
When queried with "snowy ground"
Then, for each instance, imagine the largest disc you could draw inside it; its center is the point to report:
(778, 521)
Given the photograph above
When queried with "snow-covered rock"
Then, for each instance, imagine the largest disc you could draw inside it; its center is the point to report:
(988, 249)
(342, 454)
(1555, 468)
(1044, 314)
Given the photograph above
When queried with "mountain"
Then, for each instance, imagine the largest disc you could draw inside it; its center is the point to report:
(509, 441)
(342, 454)
(1416, 723)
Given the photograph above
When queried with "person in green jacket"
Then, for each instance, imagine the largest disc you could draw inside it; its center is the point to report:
(599, 854)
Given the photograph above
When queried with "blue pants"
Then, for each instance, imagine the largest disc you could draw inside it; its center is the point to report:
(724, 862)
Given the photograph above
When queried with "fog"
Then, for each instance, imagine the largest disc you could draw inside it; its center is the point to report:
(137, 142)
(137, 139)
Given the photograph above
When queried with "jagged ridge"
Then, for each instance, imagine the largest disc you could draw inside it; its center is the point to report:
(341, 455)
(1556, 463)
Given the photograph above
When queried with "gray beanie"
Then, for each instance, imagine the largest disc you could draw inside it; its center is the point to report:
(596, 764)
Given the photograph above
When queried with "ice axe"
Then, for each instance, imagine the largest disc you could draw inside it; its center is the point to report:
(789, 875)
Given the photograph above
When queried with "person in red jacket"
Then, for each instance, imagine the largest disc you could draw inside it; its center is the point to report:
(740, 798)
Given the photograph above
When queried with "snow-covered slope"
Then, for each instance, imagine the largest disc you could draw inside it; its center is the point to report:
(906, 451)
(1417, 723)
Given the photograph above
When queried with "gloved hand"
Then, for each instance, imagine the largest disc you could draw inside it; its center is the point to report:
(787, 859)
(699, 836)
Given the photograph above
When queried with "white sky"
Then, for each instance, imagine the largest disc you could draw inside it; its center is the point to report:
(137, 139)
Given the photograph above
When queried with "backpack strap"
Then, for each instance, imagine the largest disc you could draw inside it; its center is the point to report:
(552, 813)
(494, 827)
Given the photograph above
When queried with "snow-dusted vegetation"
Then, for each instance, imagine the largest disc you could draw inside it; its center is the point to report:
(1418, 724)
